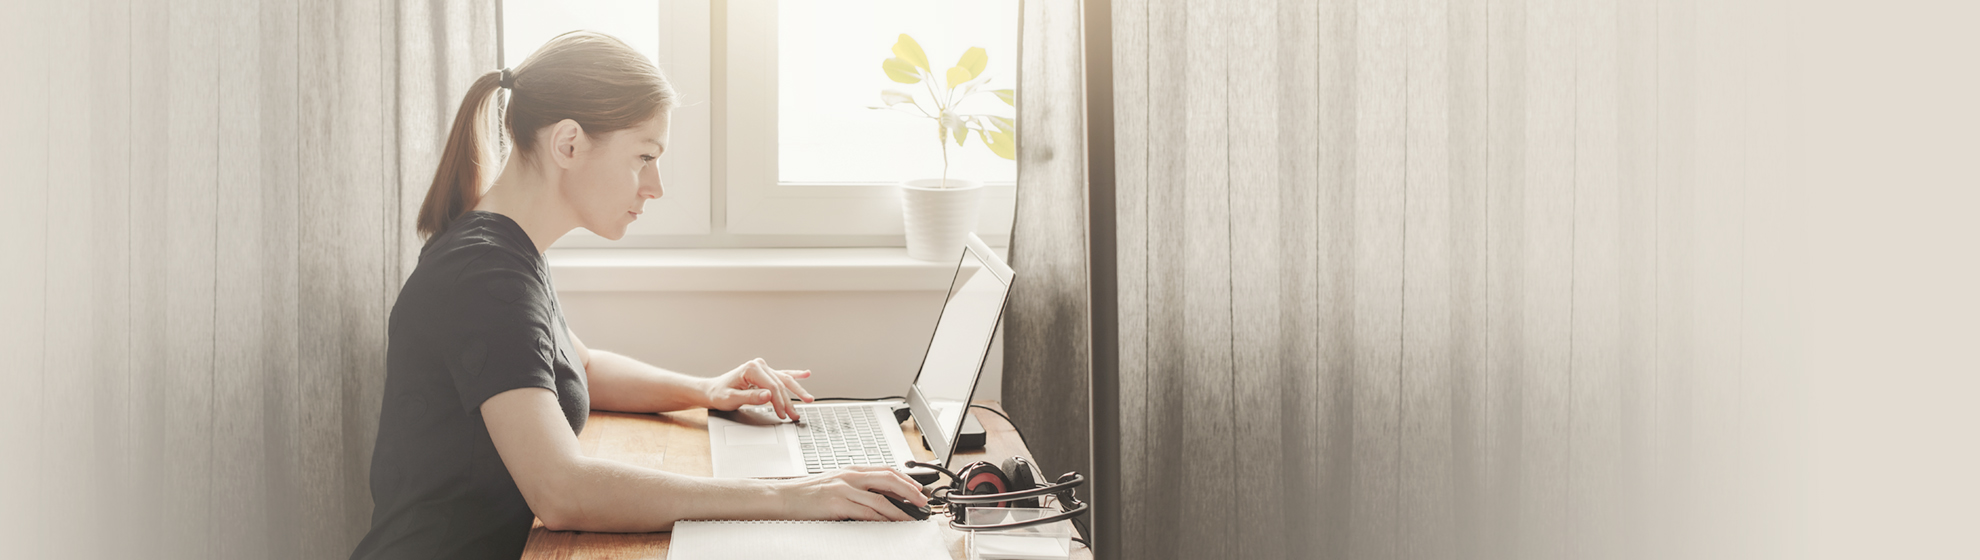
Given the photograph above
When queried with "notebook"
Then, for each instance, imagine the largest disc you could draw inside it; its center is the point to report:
(807, 540)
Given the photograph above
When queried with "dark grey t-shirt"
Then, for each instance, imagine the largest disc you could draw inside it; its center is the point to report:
(477, 317)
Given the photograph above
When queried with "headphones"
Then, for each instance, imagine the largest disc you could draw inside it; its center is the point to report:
(1015, 484)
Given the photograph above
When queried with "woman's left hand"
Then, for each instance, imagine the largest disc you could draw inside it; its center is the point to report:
(755, 382)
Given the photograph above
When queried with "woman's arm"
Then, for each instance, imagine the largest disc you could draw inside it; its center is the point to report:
(623, 384)
(571, 492)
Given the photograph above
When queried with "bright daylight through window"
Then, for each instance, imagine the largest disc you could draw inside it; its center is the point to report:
(829, 73)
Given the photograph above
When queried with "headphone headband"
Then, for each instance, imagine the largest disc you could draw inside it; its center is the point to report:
(1062, 485)
(1054, 518)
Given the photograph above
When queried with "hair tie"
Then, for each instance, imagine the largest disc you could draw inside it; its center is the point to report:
(508, 81)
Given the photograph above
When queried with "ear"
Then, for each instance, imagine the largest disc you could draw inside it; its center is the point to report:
(566, 140)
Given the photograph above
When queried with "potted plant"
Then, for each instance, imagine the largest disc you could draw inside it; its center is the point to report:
(940, 212)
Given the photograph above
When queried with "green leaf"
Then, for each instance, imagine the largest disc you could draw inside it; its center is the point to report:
(960, 133)
(1002, 144)
(895, 97)
(957, 76)
(910, 51)
(1008, 95)
(972, 62)
(1003, 123)
(900, 71)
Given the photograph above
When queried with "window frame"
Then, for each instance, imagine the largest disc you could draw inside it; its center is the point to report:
(757, 201)
(720, 172)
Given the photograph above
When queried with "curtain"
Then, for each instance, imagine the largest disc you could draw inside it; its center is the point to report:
(1047, 321)
(210, 216)
(1426, 279)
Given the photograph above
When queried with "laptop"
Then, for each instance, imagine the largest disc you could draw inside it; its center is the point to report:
(752, 443)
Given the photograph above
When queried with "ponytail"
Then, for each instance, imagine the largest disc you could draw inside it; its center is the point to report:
(457, 184)
(591, 78)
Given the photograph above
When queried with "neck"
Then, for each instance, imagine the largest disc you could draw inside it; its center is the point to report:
(525, 195)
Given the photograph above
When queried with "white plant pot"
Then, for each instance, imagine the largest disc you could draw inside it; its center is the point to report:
(938, 219)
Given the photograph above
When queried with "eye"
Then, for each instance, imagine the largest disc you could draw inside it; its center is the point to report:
(647, 158)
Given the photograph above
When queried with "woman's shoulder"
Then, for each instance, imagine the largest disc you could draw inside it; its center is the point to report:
(481, 241)
(474, 273)
(480, 248)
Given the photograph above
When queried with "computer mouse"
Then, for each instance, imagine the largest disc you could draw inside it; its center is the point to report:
(919, 513)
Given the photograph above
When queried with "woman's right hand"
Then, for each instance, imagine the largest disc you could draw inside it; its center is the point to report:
(849, 494)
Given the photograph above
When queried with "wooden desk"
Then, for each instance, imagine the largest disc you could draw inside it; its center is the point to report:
(678, 442)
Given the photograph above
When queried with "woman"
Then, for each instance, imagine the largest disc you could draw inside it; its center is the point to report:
(486, 388)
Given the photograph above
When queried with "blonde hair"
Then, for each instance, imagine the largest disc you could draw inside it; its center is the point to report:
(588, 77)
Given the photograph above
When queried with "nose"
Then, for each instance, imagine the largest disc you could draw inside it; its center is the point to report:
(649, 184)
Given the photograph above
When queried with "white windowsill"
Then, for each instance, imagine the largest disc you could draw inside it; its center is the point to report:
(747, 270)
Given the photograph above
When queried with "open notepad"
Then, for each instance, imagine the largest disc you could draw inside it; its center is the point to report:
(807, 540)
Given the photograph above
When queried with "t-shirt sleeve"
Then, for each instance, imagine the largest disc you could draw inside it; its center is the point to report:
(496, 335)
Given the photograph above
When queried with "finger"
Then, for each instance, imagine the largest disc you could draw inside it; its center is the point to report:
(785, 389)
(880, 505)
(781, 395)
(761, 376)
(887, 469)
(739, 379)
(790, 382)
(790, 408)
(900, 485)
(893, 482)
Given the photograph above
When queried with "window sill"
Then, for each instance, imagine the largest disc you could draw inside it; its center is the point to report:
(746, 270)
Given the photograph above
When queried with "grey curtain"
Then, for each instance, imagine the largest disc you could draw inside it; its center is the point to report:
(1047, 325)
(209, 219)
(1406, 278)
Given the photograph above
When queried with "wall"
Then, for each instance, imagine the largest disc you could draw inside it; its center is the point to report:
(1886, 118)
(856, 343)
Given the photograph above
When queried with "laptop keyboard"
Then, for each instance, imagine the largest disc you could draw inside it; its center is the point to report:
(839, 436)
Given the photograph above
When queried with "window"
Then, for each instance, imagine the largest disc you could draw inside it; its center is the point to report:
(830, 53)
(796, 166)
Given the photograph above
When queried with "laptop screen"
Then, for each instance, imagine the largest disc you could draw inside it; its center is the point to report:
(949, 370)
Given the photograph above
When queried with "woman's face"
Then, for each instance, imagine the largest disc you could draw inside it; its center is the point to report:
(609, 187)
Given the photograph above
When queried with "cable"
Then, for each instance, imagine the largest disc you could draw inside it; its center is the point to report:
(1007, 420)
(1078, 524)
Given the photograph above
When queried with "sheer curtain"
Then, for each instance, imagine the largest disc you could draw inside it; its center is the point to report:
(1407, 278)
(1047, 322)
(209, 219)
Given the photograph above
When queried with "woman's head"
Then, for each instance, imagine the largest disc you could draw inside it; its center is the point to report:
(585, 107)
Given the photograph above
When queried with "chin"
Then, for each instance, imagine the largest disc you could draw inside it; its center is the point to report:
(613, 232)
